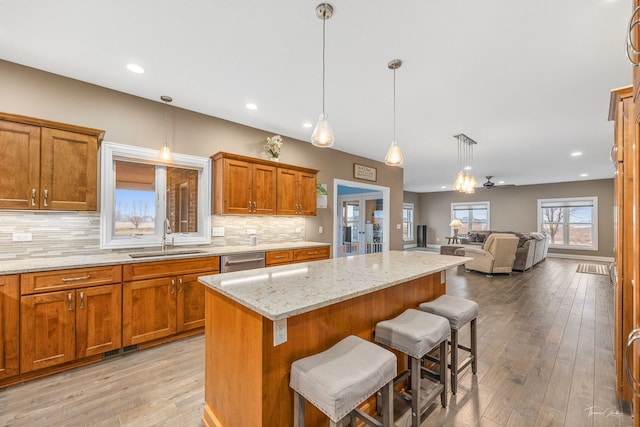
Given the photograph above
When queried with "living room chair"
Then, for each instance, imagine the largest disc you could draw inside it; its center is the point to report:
(496, 256)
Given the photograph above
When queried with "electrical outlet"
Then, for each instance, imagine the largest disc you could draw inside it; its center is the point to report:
(299, 230)
(251, 231)
(279, 332)
(22, 237)
(217, 231)
(398, 226)
(320, 230)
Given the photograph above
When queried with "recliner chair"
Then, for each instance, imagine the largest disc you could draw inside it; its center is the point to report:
(496, 256)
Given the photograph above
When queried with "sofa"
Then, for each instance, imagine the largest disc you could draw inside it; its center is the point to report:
(496, 256)
(532, 247)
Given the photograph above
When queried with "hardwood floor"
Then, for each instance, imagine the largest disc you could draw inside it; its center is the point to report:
(545, 359)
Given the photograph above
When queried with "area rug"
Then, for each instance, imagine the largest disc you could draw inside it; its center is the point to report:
(593, 269)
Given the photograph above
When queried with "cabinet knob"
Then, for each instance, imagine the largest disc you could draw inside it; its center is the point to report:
(81, 300)
(33, 197)
(173, 286)
(69, 302)
(180, 282)
(46, 198)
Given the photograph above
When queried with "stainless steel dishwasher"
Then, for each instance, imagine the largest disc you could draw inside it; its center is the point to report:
(239, 262)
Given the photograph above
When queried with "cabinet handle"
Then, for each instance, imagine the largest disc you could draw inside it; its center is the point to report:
(69, 302)
(635, 385)
(278, 256)
(33, 197)
(255, 207)
(631, 49)
(173, 286)
(180, 282)
(81, 300)
(313, 253)
(46, 198)
(74, 279)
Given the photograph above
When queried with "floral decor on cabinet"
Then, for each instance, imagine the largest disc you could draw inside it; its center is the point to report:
(273, 146)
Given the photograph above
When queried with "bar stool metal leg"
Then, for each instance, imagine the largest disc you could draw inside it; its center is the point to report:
(454, 361)
(474, 347)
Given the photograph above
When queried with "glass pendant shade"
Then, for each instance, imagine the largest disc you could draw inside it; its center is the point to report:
(165, 153)
(394, 155)
(457, 186)
(322, 135)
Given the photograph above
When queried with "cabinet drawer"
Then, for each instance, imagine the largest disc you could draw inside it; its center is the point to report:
(154, 269)
(47, 281)
(311, 253)
(279, 257)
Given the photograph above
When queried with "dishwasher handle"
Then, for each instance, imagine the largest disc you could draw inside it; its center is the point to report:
(243, 261)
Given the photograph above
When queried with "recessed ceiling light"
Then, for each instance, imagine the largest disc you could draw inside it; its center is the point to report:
(500, 182)
(307, 125)
(251, 106)
(576, 154)
(443, 187)
(584, 174)
(135, 68)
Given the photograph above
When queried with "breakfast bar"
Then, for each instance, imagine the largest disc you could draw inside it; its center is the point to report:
(259, 321)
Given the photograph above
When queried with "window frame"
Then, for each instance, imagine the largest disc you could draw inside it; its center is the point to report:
(569, 201)
(411, 236)
(485, 204)
(111, 151)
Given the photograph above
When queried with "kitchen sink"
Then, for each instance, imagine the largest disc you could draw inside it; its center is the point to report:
(166, 253)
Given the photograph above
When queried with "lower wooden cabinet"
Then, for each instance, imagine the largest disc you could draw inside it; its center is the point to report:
(161, 304)
(9, 315)
(58, 327)
(290, 256)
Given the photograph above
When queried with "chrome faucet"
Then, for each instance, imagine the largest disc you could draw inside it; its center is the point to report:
(166, 229)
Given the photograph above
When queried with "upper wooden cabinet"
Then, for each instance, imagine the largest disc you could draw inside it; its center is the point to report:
(296, 192)
(47, 165)
(244, 185)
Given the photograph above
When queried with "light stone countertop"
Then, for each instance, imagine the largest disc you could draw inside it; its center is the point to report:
(122, 257)
(285, 291)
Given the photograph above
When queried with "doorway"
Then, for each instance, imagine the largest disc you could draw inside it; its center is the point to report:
(362, 218)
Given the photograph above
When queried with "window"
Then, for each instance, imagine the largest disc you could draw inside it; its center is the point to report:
(142, 199)
(473, 216)
(407, 221)
(571, 223)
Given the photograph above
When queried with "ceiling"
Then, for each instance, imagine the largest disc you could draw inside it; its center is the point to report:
(528, 80)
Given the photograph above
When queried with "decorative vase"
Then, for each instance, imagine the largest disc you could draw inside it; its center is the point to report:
(275, 159)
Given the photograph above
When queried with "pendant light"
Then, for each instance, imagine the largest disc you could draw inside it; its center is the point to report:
(465, 181)
(394, 155)
(322, 135)
(165, 153)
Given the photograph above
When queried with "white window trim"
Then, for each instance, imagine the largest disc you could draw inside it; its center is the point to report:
(483, 204)
(110, 151)
(411, 237)
(594, 240)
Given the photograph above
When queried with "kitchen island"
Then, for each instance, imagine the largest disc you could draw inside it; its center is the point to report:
(259, 321)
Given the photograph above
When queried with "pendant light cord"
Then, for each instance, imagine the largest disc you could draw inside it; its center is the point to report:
(166, 144)
(324, 22)
(394, 105)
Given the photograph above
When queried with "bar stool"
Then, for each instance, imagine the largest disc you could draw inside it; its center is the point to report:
(339, 379)
(415, 333)
(459, 312)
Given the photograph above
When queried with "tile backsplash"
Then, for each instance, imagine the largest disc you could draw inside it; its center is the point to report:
(76, 233)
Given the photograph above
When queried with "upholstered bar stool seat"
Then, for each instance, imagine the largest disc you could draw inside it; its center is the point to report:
(415, 333)
(339, 379)
(459, 312)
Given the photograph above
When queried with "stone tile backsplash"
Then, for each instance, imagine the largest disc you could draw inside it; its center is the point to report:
(76, 233)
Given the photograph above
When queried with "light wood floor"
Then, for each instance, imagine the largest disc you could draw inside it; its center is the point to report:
(545, 359)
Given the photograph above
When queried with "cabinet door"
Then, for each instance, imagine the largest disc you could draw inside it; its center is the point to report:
(20, 166)
(307, 197)
(264, 189)
(47, 330)
(9, 314)
(236, 194)
(190, 309)
(68, 173)
(98, 319)
(149, 310)
(287, 200)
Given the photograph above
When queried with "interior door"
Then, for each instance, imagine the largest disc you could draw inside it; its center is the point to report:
(351, 230)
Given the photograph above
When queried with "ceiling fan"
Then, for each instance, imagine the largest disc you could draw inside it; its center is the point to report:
(490, 184)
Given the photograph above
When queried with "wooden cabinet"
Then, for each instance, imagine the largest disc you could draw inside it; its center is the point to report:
(163, 298)
(622, 157)
(9, 314)
(47, 165)
(244, 185)
(296, 192)
(290, 256)
(73, 320)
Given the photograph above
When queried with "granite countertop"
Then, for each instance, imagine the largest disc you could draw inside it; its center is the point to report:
(281, 292)
(121, 257)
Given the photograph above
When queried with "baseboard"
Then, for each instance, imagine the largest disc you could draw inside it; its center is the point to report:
(580, 257)
(410, 245)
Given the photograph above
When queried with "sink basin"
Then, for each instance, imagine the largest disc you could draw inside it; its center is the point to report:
(166, 253)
